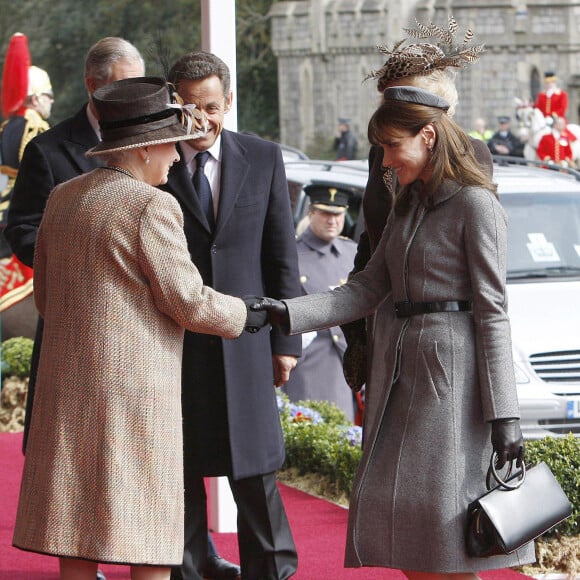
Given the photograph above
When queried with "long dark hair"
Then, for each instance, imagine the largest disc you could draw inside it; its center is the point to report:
(452, 156)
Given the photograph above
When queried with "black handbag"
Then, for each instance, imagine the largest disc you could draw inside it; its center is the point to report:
(521, 508)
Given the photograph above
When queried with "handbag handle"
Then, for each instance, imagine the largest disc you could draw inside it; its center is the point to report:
(503, 482)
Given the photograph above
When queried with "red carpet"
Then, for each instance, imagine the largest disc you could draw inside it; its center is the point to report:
(318, 527)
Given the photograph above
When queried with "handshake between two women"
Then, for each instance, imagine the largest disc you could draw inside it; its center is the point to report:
(262, 311)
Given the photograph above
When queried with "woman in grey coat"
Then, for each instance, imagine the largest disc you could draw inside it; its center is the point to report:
(446, 388)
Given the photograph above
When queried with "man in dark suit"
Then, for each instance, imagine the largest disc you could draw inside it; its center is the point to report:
(243, 245)
(57, 156)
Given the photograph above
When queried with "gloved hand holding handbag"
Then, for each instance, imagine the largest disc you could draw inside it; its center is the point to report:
(507, 441)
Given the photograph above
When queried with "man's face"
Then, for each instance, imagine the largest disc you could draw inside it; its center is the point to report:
(560, 124)
(43, 105)
(326, 225)
(123, 68)
(208, 96)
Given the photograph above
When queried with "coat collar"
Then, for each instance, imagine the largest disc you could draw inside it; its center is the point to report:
(235, 170)
(180, 184)
(316, 244)
(446, 191)
(82, 138)
(234, 174)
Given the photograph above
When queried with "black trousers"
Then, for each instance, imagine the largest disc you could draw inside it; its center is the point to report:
(267, 550)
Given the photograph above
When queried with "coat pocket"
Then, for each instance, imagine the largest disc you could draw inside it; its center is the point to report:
(435, 372)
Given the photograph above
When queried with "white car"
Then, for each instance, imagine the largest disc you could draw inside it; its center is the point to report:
(543, 207)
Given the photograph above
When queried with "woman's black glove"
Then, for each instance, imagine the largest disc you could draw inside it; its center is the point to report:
(254, 318)
(276, 311)
(354, 365)
(507, 441)
(354, 360)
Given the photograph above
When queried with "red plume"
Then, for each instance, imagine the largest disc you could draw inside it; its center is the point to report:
(15, 76)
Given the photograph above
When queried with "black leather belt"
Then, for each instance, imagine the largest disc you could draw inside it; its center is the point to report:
(406, 309)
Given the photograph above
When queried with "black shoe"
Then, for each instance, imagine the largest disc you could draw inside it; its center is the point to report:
(100, 575)
(217, 568)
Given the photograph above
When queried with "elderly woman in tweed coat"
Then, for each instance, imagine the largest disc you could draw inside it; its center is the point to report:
(103, 476)
(444, 375)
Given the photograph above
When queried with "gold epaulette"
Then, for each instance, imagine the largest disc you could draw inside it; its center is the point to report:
(35, 125)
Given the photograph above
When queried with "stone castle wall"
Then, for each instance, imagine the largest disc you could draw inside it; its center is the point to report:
(325, 48)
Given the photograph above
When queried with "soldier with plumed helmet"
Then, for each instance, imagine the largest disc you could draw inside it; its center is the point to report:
(27, 99)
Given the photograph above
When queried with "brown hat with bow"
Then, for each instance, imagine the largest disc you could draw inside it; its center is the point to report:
(136, 112)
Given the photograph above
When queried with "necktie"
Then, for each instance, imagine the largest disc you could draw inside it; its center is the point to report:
(203, 188)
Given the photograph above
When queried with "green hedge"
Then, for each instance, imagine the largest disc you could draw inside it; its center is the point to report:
(319, 441)
(16, 355)
(562, 455)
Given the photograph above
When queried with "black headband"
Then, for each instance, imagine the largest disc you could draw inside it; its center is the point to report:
(408, 94)
(108, 125)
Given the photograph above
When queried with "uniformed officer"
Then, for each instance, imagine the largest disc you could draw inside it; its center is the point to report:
(325, 258)
(553, 101)
(27, 100)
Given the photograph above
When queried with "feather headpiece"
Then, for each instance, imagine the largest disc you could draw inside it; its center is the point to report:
(422, 58)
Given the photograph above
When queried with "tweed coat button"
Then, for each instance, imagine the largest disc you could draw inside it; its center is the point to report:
(214, 249)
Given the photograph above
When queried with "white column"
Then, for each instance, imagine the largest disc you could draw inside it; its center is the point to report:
(218, 36)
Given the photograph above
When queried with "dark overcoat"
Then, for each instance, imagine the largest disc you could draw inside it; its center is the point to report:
(50, 158)
(437, 380)
(231, 421)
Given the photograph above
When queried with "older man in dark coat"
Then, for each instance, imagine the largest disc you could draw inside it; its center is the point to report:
(242, 241)
(58, 155)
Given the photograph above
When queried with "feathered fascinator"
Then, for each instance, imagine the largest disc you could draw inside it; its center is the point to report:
(422, 58)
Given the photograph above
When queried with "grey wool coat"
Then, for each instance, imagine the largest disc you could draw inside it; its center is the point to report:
(113, 280)
(438, 380)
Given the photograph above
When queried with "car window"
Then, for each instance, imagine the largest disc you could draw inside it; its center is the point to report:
(543, 234)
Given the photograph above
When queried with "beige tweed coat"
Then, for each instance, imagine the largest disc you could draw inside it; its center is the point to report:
(438, 379)
(113, 279)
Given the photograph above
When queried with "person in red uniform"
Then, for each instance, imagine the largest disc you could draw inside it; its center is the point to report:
(553, 101)
(556, 146)
(27, 100)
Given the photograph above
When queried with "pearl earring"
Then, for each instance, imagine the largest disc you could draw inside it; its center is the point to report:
(147, 160)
